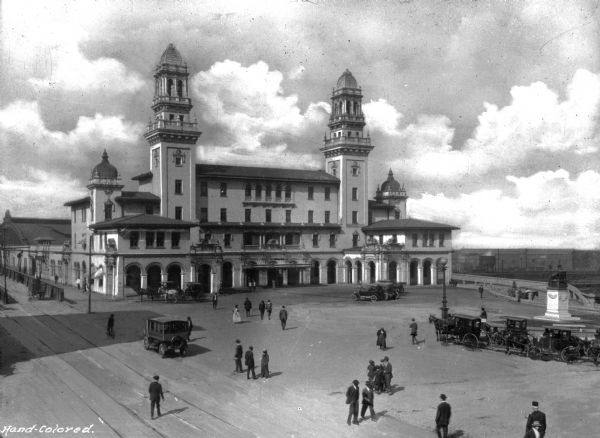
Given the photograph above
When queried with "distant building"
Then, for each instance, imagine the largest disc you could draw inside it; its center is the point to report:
(225, 226)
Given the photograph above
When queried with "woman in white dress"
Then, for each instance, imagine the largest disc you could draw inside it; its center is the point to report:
(236, 315)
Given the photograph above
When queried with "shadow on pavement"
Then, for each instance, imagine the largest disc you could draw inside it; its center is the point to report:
(174, 411)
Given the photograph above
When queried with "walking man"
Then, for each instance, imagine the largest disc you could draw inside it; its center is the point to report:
(442, 418)
(261, 309)
(110, 326)
(247, 306)
(250, 362)
(283, 317)
(536, 415)
(239, 352)
(367, 401)
(352, 396)
(215, 300)
(387, 372)
(269, 308)
(413, 331)
(264, 365)
(371, 370)
(78, 283)
(480, 291)
(190, 326)
(156, 394)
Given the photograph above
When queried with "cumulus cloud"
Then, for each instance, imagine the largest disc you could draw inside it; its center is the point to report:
(38, 191)
(22, 120)
(380, 115)
(548, 209)
(535, 122)
(250, 104)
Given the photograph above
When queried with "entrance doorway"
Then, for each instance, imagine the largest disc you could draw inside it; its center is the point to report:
(427, 272)
(227, 275)
(392, 271)
(372, 276)
(414, 272)
(331, 267)
(314, 272)
(174, 275)
(348, 271)
(133, 277)
(203, 277)
(154, 277)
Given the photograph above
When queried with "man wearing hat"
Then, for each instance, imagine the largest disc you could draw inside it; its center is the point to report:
(387, 372)
(368, 398)
(442, 417)
(264, 365)
(538, 416)
(239, 352)
(371, 370)
(156, 394)
(352, 395)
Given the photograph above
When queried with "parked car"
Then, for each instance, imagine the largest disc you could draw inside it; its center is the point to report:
(380, 291)
(166, 334)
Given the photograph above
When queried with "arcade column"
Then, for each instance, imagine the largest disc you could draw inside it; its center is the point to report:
(420, 274)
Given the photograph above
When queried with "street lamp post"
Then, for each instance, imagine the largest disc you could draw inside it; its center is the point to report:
(89, 283)
(444, 308)
(5, 298)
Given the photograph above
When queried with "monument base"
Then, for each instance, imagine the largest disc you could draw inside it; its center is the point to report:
(557, 306)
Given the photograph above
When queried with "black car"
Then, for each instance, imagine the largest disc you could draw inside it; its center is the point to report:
(166, 334)
(380, 291)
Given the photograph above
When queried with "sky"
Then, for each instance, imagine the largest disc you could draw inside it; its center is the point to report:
(486, 111)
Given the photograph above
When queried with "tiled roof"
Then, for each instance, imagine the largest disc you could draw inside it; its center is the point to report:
(380, 205)
(79, 201)
(149, 221)
(263, 173)
(268, 225)
(407, 224)
(142, 176)
(25, 231)
(137, 197)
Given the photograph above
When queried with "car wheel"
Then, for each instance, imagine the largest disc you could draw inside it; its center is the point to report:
(373, 298)
(146, 343)
(162, 349)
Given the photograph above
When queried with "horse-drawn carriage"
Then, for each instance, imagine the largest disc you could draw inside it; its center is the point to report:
(169, 291)
(512, 336)
(558, 342)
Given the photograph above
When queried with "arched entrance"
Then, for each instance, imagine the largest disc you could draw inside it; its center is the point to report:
(392, 267)
(314, 272)
(133, 277)
(251, 274)
(203, 277)
(154, 277)
(275, 277)
(174, 275)
(372, 275)
(414, 272)
(358, 271)
(293, 276)
(331, 266)
(427, 272)
(227, 275)
(348, 271)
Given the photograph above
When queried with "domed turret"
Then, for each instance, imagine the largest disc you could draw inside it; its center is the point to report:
(346, 80)
(172, 56)
(390, 185)
(104, 170)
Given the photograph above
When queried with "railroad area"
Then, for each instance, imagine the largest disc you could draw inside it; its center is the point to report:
(59, 369)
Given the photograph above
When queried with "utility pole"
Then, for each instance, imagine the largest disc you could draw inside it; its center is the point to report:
(89, 310)
(4, 263)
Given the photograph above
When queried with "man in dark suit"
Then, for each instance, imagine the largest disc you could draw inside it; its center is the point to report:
(352, 395)
(247, 306)
(190, 326)
(536, 415)
(387, 372)
(156, 394)
(534, 432)
(239, 352)
(215, 300)
(283, 317)
(250, 362)
(442, 418)
(368, 398)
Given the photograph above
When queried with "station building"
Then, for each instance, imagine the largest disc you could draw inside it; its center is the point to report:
(225, 226)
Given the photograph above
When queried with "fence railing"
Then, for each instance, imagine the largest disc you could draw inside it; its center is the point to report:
(36, 286)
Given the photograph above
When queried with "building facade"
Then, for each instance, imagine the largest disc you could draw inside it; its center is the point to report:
(226, 226)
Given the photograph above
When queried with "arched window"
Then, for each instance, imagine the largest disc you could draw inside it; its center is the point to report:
(180, 88)
(169, 86)
(108, 209)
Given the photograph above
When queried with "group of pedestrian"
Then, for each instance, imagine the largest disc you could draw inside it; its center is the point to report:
(262, 308)
(268, 307)
(380, 376)
(251, 285)
(249, 361)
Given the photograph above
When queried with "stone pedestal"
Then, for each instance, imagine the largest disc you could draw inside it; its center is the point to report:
(557, 306)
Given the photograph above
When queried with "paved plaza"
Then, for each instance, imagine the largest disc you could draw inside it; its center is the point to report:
(59, 369)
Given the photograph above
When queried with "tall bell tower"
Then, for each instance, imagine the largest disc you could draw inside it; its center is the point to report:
(346, 154)
(172, 137)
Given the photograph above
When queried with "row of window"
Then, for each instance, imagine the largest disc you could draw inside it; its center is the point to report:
(279, 189)
(427, 239)
(268, 215)
(154, 239)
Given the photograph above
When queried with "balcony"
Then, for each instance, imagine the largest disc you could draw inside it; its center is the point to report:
(173, 125)
(172, 99)
(344, 140)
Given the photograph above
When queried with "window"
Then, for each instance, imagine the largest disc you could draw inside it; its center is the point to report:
(278, 191)
(83, 214)
(223, 190)
(248, 239)
(327, 193)
(160, 239)
(258, 191)
(108, 210)
(292, 239)
(268, 191)
(288, 192)
(203, 188)
(355, 217)
(247, 215)
(310, 216)
(441, 237)
(227, 240)
(397, 214)
(248, 192)
(175, 238)
(354, 240)
(268, 215)
(332, 240)
(355, 169)
(415, 239)
(149, 209)
(223, 215)
(327, 217)
(311, 192)
(315, 240)
(203, 214)
(288, 216)
(149, 239)
(178, 187)
(354, 194)
(424, 241)
(178, 213)
(431, 239)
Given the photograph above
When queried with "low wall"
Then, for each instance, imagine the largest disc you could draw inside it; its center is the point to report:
(501, 286)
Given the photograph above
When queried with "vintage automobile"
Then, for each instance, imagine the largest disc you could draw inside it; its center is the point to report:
(166, 334)
(380, 291)
(460, 329)
(195, 291)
